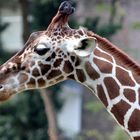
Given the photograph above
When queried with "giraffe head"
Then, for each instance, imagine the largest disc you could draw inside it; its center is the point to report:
(47, 58)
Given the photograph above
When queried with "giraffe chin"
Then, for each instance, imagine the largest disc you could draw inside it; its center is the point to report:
(7, 94)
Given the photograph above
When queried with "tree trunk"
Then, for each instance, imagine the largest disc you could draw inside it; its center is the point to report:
(24, 11)
(113, 10)
(50, 113)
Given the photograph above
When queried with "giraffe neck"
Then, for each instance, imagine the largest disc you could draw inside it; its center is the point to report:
(116, 86)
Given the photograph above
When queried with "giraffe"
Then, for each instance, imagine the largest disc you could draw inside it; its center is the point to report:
(60, 53)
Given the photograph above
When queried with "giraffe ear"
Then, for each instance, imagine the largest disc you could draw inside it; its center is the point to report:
(85, 46)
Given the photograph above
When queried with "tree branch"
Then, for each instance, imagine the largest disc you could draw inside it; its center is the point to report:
(50, 113)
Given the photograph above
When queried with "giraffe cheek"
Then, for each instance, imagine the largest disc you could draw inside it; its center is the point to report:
(22, 78)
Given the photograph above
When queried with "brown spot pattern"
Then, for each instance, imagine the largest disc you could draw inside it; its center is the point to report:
(57, 62)
(78, 61)
(35, 72)
(136, 138)
(59, 78)
(130, 95)
(101, 95)
(53, 74)
(112, 87)
(103, 55)
(137, 78)
(134, 122)
(73, 58)
(57, 49)
(68, 68)
(55, 33)
(44, 68)
(119, 110)
(32, 64)
(58, 37)
(53, 55)
(104, 67)
(124, 77)
(139, 95)
(71, 76)
(41, 82)
(80, 32)
(80, 74)
(77, 36)
(48, 59)
(31, 83)
(23, 77)
(93, 74)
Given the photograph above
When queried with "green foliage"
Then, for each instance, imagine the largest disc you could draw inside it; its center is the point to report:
(135, 25)
(23, 118)
(111, 27)
(94, 134)
(106, 30)
(94, 106)
(118, 134)
(102, 7)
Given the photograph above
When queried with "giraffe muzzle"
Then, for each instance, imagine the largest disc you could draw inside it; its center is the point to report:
(8, 86)
(4, 93)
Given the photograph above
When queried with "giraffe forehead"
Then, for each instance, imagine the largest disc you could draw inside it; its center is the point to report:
(43, 39)
(68, 34)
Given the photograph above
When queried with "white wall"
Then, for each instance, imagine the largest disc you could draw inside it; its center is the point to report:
(69, 118)
(12, 36)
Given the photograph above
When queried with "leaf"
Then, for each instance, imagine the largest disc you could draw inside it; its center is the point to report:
(94, 106)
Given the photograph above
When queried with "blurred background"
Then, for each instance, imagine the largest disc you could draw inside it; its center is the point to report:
(67, 111)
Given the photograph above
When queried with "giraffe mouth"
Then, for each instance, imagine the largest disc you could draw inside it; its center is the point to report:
(6, 94)
(6, 91)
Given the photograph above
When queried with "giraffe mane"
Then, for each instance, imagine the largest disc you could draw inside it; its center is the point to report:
(117, 53)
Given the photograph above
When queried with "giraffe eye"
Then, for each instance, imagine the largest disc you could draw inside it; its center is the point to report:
(41, 49)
